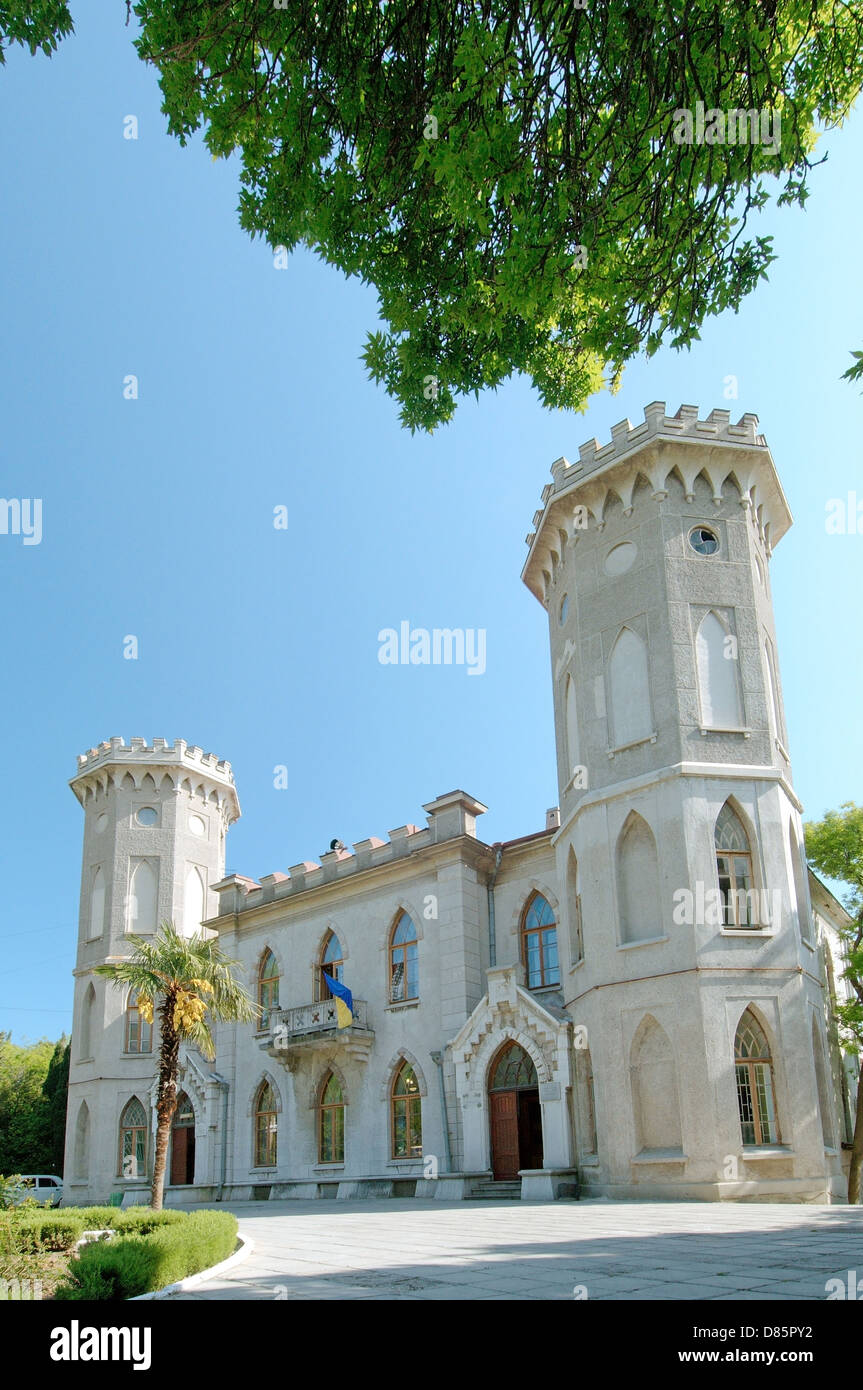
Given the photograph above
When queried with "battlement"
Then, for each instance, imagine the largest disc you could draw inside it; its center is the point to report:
(160, 751)
(654, 449)
(685, 425)
(449, 817)
(101, 765)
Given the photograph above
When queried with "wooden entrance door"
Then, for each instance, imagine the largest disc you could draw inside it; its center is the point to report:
(503, 1108)
(182, 1155)
(529, 1129)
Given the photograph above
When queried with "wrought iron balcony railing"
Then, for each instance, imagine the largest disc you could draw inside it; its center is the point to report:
(311, 1025)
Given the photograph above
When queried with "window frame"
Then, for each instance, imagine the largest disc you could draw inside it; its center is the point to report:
(267, 984)
(525, 931)
(751, 1065)
(408, 950)
(326, 1112)
(143, 1026)
(133, 1130)
(334, 968)
(270, 1133)
(730, 902)
(411, 1102)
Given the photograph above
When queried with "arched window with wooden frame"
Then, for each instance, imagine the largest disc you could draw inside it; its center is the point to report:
(268, 988)
(331, 1121)
(133, 1140)
(734, 868)
(406, 1111)
(266, 1127)
(539, 943)
(404, 960)
(332, 963)
(756, 1098)
(139, 1031)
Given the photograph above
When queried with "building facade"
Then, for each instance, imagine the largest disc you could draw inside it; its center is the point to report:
(634, 1001)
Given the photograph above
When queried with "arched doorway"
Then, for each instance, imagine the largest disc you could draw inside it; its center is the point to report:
(183, 1142)
(515, 1116)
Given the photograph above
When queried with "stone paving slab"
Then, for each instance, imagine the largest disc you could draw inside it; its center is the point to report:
(399, 1249)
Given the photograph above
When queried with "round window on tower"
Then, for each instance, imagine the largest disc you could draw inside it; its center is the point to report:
(703, 540)
(148, 815)
(563, 612)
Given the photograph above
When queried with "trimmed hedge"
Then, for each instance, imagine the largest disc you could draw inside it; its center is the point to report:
(177, 1244)
(59, 1229)
(55, 1230)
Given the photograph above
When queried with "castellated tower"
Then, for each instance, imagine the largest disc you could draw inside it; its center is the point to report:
(154, 845)
(689, 962)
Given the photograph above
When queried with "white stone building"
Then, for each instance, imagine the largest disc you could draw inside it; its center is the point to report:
(633, 1001)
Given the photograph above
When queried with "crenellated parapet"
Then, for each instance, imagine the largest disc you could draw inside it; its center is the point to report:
(648, 454)
(448, 817)
(168, 766)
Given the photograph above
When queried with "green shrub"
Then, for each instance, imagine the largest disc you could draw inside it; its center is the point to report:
(15, 1263)
(177, 1244)
(8, 1188)
(96, 1218)
(142, 1220)
(55, 1230)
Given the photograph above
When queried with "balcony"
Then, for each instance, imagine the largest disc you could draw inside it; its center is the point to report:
(313, 1027)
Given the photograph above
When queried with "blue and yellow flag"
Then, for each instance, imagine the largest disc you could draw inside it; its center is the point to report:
(344, 1001)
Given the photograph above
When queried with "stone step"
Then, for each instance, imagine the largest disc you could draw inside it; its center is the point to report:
(496, 1191)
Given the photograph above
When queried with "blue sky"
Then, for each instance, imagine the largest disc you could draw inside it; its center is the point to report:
(123, 257)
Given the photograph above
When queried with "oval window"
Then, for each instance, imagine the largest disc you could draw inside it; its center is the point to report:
(197, 825)
(563, 613)
(101, 823)
(621, 558)
(148, 815)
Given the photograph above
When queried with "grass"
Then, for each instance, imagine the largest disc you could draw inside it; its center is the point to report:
(151, 1249)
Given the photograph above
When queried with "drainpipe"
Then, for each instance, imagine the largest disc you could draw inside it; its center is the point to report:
(492, 938)
(223, 1157)
(437, 1058)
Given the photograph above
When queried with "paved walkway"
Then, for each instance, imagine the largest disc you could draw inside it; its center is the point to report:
(398, 1249)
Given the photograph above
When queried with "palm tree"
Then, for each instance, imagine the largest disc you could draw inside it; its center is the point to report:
(190, 977)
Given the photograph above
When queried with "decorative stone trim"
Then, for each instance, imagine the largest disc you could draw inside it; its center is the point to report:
(264, 1076)
(395, 1061)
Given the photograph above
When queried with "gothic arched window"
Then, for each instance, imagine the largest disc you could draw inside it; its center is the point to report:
(133, 1140)
(266, 1127)
(331, 1121)
(753, 1066)
(539, 943)
(268, 988)
(406, 1105)
(139, 1032)
(404, 961)
(734, 867)
(332, 963)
